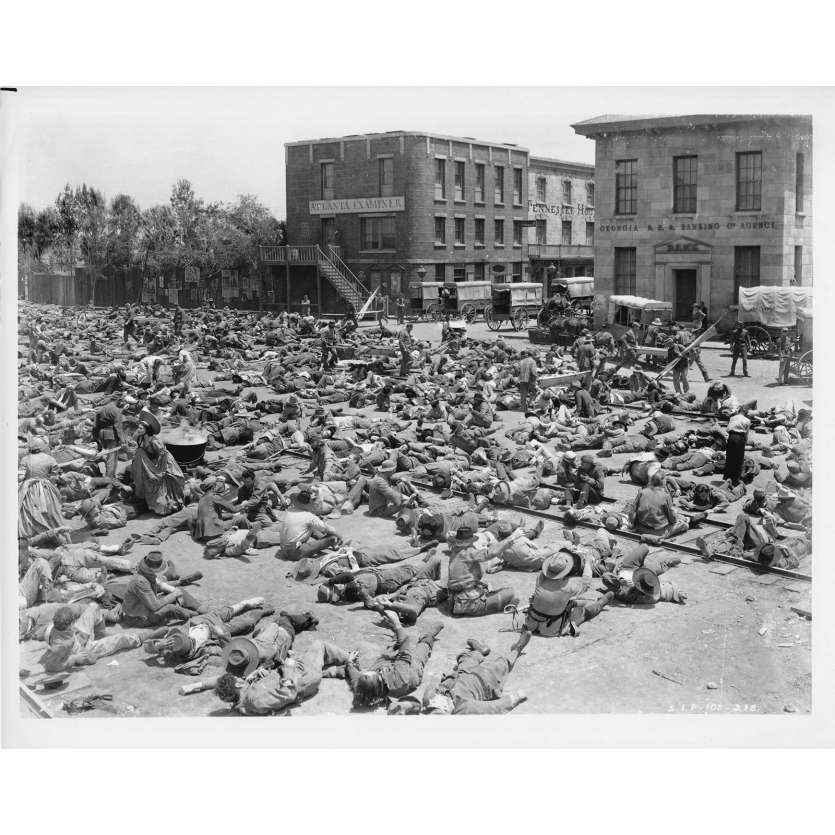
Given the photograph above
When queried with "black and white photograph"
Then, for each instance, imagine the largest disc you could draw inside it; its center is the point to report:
(418, 404)
(410, 416)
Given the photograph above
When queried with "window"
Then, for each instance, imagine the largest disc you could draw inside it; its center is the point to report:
(626, 187)
(385, 167)
(498, 185)
(377, 233)
(516, 271)
(684, 184)
(798, 265)
(749, 181)
(798, 183)
(479, 272)
(459, 231)
(517, 186)
(746, 268)
(589, 234)
(540, 189)
(566, 233)
(517, 233)
(440, 230)
(541, 231)
(440, 272)
(625, 270)
(459, 273)
(459, 180)
(566, 192)
(479, 231)
(498, 232)
(590, 195)
(440, 179)
(327, 181)
(479, 182)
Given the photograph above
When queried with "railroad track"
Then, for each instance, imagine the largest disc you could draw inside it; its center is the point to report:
(630, 536)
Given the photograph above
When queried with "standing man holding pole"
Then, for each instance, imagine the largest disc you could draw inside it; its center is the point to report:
(527, 378)
(740, 343)
(405, 343)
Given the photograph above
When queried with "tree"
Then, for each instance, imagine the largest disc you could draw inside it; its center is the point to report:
(47, 230)
(124, 221)
(92, 232)
(66, 241)
(157, 243)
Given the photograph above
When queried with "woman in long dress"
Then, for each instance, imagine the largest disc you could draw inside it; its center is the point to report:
(38, 500)
(157, 477)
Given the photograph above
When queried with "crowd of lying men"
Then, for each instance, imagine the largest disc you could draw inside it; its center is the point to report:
(97, 390)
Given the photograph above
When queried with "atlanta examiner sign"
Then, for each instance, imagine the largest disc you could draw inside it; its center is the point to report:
(357, 204)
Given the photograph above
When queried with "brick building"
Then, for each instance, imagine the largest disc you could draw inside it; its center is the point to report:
(693, 207)
(397, 208)
(561, 208)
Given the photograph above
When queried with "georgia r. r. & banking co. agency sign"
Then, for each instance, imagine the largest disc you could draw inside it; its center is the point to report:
(353, 205)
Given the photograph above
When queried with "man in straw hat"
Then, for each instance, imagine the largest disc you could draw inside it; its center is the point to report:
(255, 691)
(149, 600)
(476, 684)
(384, 499)
(393, 675)
(201, 636)
(470, 594)
(561, 600)
(635, 577)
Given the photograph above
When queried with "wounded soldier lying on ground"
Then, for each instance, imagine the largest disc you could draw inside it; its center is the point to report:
(474, 686)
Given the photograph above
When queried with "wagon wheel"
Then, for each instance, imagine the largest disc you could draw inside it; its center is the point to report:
(761, 344)
(520, 318)
(434, 312)
(468, 313)
(803, 368)
(493, 324)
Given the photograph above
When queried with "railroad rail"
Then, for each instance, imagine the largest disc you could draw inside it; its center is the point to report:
(631, 536)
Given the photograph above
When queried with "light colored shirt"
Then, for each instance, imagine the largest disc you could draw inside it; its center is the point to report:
(739, 423)
(299, 526)
(527, 370)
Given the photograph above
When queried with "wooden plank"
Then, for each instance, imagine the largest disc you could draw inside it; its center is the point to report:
(711, 331)
(562, 379)
(364, 308)
(35, 703)
(722, 569)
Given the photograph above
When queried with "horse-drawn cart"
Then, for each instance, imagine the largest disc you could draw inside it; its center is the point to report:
(514, 303)
(771, 314)
(463, 299)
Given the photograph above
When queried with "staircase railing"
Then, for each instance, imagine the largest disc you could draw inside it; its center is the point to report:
(352, 282)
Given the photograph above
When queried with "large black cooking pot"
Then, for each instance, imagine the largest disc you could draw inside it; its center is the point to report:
(186, 454)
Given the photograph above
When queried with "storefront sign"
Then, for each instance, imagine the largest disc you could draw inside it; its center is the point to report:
(581, 210)
(357, 204)
(731, 226)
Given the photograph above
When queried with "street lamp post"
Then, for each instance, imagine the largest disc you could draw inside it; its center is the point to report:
(552, 271)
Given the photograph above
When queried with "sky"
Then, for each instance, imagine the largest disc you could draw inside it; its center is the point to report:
(229, 140)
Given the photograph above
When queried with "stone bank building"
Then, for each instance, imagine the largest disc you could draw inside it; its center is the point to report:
(690, 208)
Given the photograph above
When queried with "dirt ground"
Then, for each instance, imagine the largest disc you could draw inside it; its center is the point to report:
(735, 647)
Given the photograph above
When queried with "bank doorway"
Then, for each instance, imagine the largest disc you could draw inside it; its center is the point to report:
(685, 284)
